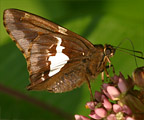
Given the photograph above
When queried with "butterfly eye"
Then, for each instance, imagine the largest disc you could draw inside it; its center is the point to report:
(108, 52)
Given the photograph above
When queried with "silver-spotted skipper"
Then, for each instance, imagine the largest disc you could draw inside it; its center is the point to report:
(58, 60)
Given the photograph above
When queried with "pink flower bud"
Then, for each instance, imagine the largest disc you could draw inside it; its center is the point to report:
(81, 117)
(126, 110)
(138, 77)
(101, 112)
(98, 96)
(111, 117)
(115, 79)
(91, 105)
(94, 116)
(122, 85)
(134, 103)
(113, 92)
(129, 118)
(117, 108)
(106, 103)
(104, 86)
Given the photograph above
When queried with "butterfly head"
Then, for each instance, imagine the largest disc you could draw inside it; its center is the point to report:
(109, 50)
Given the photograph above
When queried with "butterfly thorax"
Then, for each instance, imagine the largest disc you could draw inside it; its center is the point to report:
(99, 57)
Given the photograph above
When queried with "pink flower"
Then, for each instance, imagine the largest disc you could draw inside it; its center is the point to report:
(98, 113)
(112, 92)
(81, 117)
(98, 96)
(127, 110)
(122, 85)
(124, 109)
(129, 118)
(107, 105)
(117, 108)
(116, 100)
(90, 105)
(94, 116)
(111, 117)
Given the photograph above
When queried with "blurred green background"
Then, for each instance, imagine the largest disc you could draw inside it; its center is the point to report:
(100, 21)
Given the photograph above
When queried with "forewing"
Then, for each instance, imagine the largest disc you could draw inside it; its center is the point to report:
(47, 47)
(24, 28)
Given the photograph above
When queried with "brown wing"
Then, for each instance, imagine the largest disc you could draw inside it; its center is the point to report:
(38, 39)
(25, 27)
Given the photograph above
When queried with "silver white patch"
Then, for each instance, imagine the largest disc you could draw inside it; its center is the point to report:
(62, 30)
(59, 60)
(18, 34)
(23, 42)
(9, 18)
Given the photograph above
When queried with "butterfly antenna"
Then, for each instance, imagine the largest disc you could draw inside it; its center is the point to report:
(134, 51)
(139, 52)
(132, 54)
(119, 44)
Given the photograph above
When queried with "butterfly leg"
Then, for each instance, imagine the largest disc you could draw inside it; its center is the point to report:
(102, 76)
(106, 72)
(109, 66)
(89, 86)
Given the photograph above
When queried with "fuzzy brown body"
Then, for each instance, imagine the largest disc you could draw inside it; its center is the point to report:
(42, 41)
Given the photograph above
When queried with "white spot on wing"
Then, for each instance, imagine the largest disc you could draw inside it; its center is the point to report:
(47, 63)
(26, 15)
(62, 30)
(42, 75)
(42, 78)
(59, 60)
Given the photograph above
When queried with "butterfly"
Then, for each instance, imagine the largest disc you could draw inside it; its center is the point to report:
(58, 60)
